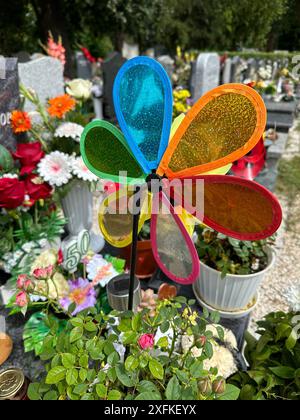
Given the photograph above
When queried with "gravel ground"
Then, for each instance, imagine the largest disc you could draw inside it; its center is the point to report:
(286, 271)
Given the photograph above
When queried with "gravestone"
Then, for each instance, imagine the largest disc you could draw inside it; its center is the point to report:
(252, 69)
(207, 74)
(43, 75)
(235, 64)
(23, 56)
(226, 77)
(110, 68)
(275, 70)
(130, 50)
(9, 99)
(83, 66)
(168, 64)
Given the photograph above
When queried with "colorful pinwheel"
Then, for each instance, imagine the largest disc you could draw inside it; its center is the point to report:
(224, 125)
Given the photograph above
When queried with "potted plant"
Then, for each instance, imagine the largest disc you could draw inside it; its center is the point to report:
(273, 359)
(231, 270)
(146, 264)
(127, 356)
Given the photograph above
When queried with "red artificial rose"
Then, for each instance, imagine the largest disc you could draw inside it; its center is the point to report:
(12, 193)
(37, 189)
(29, 155)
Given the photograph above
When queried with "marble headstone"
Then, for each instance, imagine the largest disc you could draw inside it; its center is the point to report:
(130, 50)
(235, 66)
(110, 68)
(207, 74)
(9, 99)
(43, 75)
(83, 66)
(168, 64)
(226, 78)
(252, 69)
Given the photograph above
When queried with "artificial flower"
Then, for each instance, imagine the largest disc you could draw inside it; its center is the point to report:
(81, 293)
(79, 89)
(55, 169)
(29, 155)
(43, 273)
(22, 299)
(24, 282)
(148, 301)
(54, 288)
(69, 130)
(20, 122)
(88, 55)
(45, 259)
(36, 188)
(60, 257)
(81, 171)
(100, 271)
(12, 193)
(60, 106)
(56, 49)
(146, 341)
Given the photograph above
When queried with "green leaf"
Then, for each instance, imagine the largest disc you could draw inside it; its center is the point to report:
(165, 327)
(131, 363)
(80, 389)
(147, 386)
(292, 340)
(123, 377)
(283, 372)
(163, 342)
(68, 360)
(215, 317)
(90, 327)
(156, 369)
(136, 322)
(101, 391)
(51, 396)
(33, 392)
(76, 322)
(232, 393)
(148, 396)
(83, 374)
(55, 375)
(6, 160)
(76, 334)
(196, 369)
(72, 376)
(114, 395)
(173, 389)
(129, 337)
(113, 358)
(84, 361)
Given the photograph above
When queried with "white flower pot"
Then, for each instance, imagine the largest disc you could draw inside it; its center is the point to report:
(232, 293)
(78, 208)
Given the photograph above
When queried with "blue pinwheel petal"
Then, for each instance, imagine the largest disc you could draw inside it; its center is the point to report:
(143, 105)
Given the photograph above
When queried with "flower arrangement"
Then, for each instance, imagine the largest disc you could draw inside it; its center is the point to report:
(88, 361)
(183, 67)
(28, 217)
(49, 285)
(55, 49)
(230, 255)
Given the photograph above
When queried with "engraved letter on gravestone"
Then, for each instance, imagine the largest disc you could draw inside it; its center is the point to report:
(9, 101)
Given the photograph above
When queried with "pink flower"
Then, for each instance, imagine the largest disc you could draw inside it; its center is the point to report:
(22, 299)
(146, 341)
(21, 281)
(43, 273)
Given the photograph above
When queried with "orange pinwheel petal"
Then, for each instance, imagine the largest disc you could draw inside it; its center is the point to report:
(233, 206)
(224, 125)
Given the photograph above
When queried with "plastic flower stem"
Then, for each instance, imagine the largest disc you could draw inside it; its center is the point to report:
(135, 229)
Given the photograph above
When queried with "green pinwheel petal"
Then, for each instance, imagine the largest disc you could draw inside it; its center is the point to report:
(106, 153)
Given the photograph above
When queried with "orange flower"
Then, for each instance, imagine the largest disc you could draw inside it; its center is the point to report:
(20, 122)
(60, 106)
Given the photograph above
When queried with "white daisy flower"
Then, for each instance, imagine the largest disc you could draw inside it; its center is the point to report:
(81, 171)
(55, 168)
(70, 130)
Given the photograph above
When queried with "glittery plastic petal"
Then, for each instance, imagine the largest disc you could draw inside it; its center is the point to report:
(173, 248)
(233, 206)
(224, 125)
(106, 153)
(143, 105)
(115, 221)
